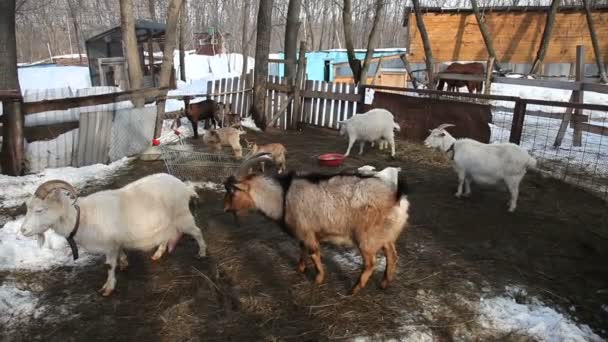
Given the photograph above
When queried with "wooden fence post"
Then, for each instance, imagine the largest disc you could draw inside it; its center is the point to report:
(577, 96)
(13, 159)
(297, 87)
(488, 82)
(519, 114)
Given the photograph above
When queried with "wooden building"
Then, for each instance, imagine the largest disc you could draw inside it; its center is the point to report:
(105, 52)
(516, 34)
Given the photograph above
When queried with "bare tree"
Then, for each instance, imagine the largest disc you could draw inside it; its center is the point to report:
(594, 41)
(485, 34)
(129, 42)
(309, 21)
(244, 40)
(152, 9)
(291, 37)
(12, 121)
(75, 24)
(428, 52)
(262, 47)
(182, 54)
(544, 44)
(371, 41)
(347, 22)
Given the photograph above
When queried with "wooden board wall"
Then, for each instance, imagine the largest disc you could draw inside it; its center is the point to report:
(516, 36)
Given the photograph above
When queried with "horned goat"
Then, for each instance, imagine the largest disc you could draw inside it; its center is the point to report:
(343, 209)
(483, 163)
(370, 126)
(149, 212)
(277, 153)
(226, 136)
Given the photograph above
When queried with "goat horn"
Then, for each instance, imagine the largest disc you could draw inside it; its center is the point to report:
(242, 171)
(444, 126)
(47, 187)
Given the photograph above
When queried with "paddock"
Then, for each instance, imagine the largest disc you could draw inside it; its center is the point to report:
(453, 253)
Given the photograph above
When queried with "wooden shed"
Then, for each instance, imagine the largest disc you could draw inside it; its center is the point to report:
(105, 52)
(516, 34)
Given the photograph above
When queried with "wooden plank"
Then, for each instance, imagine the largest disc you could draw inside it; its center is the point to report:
(75, 102)
(439, 92)
(539, 83)
(280, 61)
(460, 77)
(307, 111)
(284, 88)
(519, 114)
(332, 102)
(596, 87)
(595, 129)
(318, 94)
(577, 96)
(561, 131)
(324, 114)
(10, 95)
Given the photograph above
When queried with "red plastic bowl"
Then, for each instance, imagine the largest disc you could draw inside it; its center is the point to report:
(331, 159)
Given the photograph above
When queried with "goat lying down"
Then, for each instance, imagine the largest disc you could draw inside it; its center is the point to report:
(489, 164)
(149, 212)
(342, 209)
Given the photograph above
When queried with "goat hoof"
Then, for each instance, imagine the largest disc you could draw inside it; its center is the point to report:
(355, 290)
(384, 284)
(319, 279)
(302, 268)
(105, 292)
(201, 254)
(457, 195)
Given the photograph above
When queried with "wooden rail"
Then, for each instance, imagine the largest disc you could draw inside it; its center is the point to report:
(75, 102)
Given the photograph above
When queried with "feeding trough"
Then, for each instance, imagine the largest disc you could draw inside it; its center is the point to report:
(331, 159)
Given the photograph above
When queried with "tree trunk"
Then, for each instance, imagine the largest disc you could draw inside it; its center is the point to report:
(485, 34)
(544, 44)
(76, 33)
(262, 47)
(371, 41)
(152, 9)
(347, 22)
(12, 157)
(244, 40)
(129, 46)
(323, 24)
(182, 53)
(167, 68)
(428, 53)
(291, 38)
(309, 22)
(596, 46)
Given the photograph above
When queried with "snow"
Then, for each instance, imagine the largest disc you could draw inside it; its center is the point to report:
(15, 190)
(18, 252)
(16, 306)
(45, 77)
(536, 319)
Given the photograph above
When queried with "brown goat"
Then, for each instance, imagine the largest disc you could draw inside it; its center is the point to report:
(342, 209)
(202, 111)
(225, 136)
(277, 152)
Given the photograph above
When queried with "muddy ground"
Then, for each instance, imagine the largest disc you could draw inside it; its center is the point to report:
(454, 251)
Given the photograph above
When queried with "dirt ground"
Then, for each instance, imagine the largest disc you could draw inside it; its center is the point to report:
(454, 251)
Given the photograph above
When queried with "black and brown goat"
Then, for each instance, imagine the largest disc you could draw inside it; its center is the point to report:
(342, 209)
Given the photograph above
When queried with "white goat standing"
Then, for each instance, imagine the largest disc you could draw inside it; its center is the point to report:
(483, 163)
(374, 125)
(152, 211)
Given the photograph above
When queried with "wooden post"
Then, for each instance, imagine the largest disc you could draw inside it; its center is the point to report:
(564, 125)
(300, 75)
(578, 96)
(594, 42)
(488, 82)
(151, 57)
(408, 68)
(519, 113)
(13, 158)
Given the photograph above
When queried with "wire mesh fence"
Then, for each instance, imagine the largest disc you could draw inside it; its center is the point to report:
(187, 164)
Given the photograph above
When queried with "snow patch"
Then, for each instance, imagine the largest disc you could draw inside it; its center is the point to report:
(45, 77)
(15, 190)
(16, 306)
(534, 318)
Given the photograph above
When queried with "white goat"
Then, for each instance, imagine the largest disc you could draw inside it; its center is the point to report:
(483, 163)
(371, 126)
(152, 211)
(389, 174)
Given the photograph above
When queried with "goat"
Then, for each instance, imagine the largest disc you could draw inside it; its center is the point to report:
(149, 212)
(388, 174)
(223, 109)
(225, 136)
(202, 111)
(483, 163)
(277, 152)
(475, 68)
(370, 126)
(343, 209)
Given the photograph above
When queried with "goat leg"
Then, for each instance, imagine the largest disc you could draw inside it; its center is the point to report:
(369, 260)
(111, 260)
(123, 263)
(390, 252)
(303, 256)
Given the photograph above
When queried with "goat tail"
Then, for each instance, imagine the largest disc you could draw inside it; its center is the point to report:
(396, 126)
